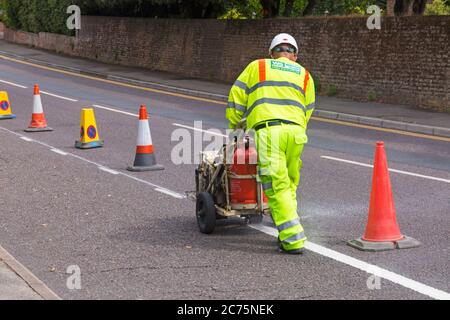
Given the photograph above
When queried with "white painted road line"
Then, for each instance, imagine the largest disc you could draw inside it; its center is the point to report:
(201, 130)
(26, 138)
(57, 96)
(168, 192)
(116, 110)
(392, 170)
(179, 195)
(364, 266)
(59, 152)
(108, 170)
(14, 84)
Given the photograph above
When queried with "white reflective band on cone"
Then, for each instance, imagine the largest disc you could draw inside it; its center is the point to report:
(144, 137)
(37, 104)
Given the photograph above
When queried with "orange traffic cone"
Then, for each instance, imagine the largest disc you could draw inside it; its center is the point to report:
(382, 230)
(145, 158)
(38, 122)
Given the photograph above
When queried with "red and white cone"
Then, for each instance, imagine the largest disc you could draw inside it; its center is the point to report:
(38, 122)
(145, 157)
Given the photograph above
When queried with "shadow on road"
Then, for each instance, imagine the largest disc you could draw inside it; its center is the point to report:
(175, 231)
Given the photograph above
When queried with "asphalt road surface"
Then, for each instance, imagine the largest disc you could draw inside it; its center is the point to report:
(135, 236)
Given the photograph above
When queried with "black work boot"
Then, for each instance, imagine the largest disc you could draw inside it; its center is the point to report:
(283, 250)
(294, 251)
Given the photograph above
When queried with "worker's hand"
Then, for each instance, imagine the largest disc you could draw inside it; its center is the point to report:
(242, 124)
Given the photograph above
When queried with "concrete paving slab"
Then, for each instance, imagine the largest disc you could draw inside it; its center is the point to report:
(12, 287)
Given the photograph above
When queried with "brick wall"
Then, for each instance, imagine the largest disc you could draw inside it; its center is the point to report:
(406, 62)
(49, 41)
(21, 37)
(57, 42)
(190, 47)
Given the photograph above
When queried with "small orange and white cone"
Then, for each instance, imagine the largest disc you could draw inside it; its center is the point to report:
(145, 157)
(38, 122)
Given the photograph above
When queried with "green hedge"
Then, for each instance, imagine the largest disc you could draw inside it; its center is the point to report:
(36, 15)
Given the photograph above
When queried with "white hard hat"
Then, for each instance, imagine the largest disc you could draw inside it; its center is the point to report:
(283, 38)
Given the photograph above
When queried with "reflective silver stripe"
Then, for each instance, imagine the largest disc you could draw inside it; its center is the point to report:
(236, 106)
(241, 85)
(310, 106)
(275, 84)
(267, 186)
(280, 102)
(263, 172)
(288, 224)
(296, 237)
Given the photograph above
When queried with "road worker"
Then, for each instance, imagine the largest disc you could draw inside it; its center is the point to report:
(276, 97)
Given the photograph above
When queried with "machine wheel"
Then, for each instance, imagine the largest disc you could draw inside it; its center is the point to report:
(206, 213)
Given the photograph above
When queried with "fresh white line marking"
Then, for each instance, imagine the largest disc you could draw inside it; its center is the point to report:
(116, 110)
(26, 139)
(201, 130)
(13, 84)
(392, 170)
(173, 193)
(59, 152)
(364, 266)
(56, 96)
(108, 170)
(170, 193)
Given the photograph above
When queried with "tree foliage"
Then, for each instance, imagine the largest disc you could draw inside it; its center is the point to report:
(197, 9)
(438, 7)
(36, 15)
(295, 8)
(51, 16)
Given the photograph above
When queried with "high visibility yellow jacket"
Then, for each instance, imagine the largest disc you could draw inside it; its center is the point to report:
(272, 89)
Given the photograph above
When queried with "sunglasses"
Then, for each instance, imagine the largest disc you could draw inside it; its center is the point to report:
(284, 49)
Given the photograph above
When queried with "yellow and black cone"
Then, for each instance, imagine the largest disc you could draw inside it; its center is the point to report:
(5, 107)
(89, 136)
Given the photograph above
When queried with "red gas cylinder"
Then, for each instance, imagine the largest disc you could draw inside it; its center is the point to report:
(243, 185)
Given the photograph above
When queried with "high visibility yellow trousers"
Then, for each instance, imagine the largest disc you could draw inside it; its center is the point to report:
(279, 150)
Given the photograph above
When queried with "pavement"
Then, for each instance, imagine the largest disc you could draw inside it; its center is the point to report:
(14, 287)
(134, 235)
(391, 116)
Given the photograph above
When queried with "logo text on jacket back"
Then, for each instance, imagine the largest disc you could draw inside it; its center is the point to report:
(279, 65)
